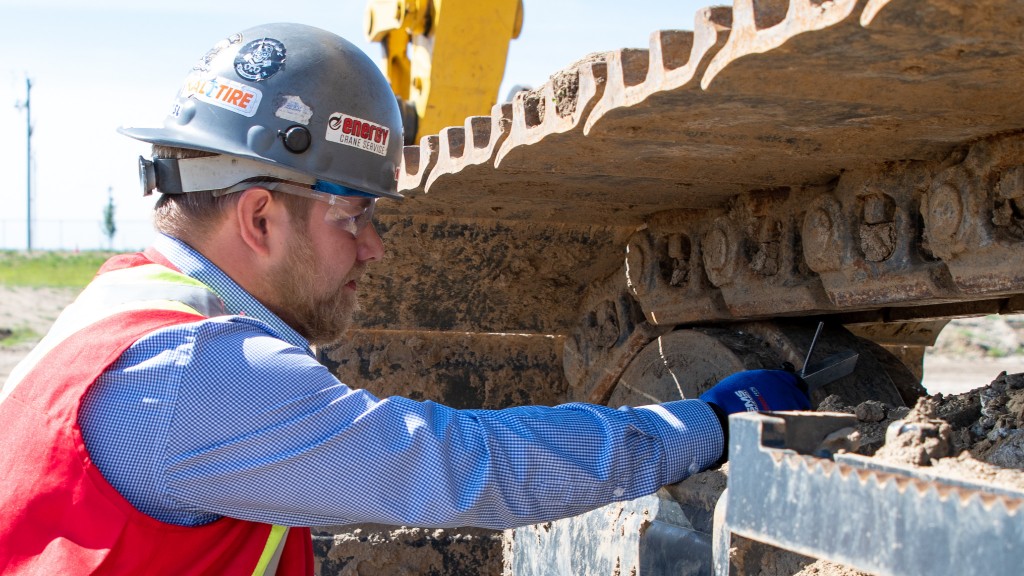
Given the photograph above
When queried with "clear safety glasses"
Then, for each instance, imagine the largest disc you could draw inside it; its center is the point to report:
(350, 209)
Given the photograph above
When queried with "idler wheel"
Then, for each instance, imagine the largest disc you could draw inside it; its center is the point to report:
(686, 362)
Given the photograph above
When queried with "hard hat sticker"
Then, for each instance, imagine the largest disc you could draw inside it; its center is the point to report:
(352, 131)
(259, 59)
(293, 109)
(204, 63)
(224, 93)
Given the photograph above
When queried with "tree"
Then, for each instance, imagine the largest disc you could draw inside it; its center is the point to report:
(109, 227)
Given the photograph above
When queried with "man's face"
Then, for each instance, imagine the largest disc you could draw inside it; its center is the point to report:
(316, 285)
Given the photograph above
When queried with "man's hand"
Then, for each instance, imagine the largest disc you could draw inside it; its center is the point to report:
(754, 391)
(758, 391)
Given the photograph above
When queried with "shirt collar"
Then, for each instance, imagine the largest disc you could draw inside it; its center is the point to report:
(237, 301)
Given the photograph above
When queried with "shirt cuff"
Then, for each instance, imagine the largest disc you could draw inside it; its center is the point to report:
(691, 436)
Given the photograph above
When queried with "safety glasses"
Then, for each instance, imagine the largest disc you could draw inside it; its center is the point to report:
(350, 210)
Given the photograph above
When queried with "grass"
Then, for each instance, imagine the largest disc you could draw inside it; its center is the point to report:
(50, 269)
(17, 336)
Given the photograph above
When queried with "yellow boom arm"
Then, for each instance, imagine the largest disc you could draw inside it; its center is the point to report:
(445, 58)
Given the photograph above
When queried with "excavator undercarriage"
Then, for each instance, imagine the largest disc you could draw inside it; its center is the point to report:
(652, 220)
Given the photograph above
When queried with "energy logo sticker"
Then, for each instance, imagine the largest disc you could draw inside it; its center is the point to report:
(259, 59)
(224, 93)
(363, 134)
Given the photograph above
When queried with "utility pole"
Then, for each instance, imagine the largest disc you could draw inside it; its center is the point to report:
(28, 161)
(27, 105)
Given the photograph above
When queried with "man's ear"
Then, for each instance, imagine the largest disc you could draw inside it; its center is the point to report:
(260, 219)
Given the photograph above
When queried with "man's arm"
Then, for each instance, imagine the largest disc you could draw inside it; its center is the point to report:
(260, 431)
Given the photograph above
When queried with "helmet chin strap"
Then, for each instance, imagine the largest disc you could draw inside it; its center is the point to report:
(180, 176)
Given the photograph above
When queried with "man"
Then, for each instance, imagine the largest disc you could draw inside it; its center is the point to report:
(175, 421)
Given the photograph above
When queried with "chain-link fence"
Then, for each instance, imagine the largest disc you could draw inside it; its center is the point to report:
(70, 234)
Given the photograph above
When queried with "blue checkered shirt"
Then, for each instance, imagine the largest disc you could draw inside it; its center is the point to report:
(233, 416)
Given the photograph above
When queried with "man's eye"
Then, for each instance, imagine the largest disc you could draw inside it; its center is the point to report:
(345, 210)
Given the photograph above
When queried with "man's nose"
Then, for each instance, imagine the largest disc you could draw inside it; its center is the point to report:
(369, 246)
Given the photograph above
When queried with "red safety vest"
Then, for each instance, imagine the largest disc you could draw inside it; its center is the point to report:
(58, 515)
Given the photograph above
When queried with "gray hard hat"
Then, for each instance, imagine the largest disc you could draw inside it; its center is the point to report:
(294, 98)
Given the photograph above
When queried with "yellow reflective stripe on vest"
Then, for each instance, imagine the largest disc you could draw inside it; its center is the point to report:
(150, 282)
(145, 287)
(267, 566)
(146, 273)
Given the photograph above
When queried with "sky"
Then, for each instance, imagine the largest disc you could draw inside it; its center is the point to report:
(101, 64)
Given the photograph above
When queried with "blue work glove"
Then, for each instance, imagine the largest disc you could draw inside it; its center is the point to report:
(758, 391)
(754, 391)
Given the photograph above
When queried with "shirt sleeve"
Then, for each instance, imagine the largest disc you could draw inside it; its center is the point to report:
(261, 431)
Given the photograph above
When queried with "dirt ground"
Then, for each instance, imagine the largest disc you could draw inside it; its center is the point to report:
(969, 353)
(31, 308)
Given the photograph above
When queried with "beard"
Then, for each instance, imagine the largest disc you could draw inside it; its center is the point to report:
(321, 313)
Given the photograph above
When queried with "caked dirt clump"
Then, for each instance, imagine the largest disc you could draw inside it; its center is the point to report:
(977, 435)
